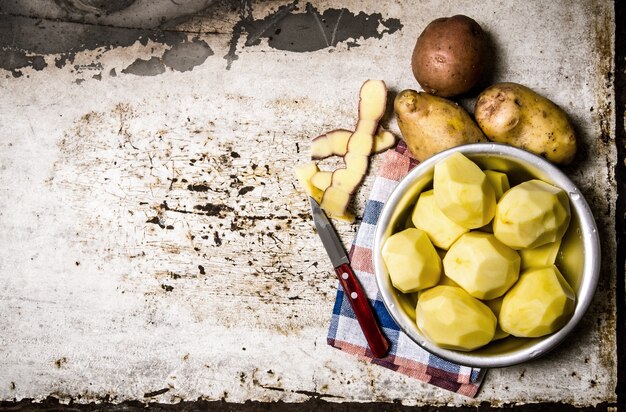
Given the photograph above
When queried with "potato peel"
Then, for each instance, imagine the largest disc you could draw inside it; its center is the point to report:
(372, 104)
(322, 179)
(335, 143)
(304, 173)
(334, 189)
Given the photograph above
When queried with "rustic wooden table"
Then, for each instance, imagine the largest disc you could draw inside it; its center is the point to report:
(154, 244)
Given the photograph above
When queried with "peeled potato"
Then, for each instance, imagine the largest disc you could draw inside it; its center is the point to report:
(499, 181)
(482, 265)
(449, 317)
(480, 295)
(443, 281)
(531, 214)
(446, 281)
(540, 303)
(540, 256)
(495, 305)
(411, 260)
(440, 229)
(463, 192)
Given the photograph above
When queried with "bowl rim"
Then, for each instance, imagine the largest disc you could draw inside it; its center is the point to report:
(590, 273)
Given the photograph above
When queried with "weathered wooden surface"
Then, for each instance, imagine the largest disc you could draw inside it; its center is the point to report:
(152, 234)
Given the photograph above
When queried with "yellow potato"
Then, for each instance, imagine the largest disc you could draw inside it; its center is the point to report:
(514, 114)
(481, 294)
(540, 303)
(499, 181)
(540, 256)
(495, 305)
(440, 229)
(431, 124)
(443, 280)
(462, 192)
(449, 317)
(531, 214)
(482, 265)
(411, 260)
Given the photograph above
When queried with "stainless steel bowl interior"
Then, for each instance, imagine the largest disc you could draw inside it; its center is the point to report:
(578, 258)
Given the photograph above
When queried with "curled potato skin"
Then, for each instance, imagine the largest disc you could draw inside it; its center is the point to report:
(514, 114)
(451, 56)
(431, 124)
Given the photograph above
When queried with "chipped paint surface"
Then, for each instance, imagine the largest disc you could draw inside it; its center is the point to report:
(155, 246)
(292, 30)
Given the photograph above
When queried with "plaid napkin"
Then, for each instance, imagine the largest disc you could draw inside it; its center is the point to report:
(405, 356)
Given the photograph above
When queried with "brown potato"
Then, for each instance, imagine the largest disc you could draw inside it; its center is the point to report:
(431, 124)
(451, 56)
(514, 114)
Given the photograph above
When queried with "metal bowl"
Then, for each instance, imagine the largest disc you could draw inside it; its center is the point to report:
(578, 258)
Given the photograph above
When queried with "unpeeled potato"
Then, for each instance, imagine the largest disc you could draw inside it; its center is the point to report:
(451, 56)
(514, 114)
(431, 124)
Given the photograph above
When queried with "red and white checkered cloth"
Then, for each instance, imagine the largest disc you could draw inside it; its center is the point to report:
(405, 356)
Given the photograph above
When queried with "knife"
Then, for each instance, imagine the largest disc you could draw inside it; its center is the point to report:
(356, 296)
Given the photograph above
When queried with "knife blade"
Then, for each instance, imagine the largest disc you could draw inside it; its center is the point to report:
(374, 336)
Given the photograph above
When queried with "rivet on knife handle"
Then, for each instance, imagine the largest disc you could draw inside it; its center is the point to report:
(360, 305)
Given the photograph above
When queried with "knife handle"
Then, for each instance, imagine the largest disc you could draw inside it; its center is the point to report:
(364, 315)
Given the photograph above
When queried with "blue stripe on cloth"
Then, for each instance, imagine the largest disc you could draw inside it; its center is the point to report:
(338, 301)
(475, 375)
(372, 211)
(342, 308)
(392, 337)
(334, 324)
(437, 362)
(384, 318)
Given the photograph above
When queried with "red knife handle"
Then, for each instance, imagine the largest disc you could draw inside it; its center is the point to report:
(364, 315)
